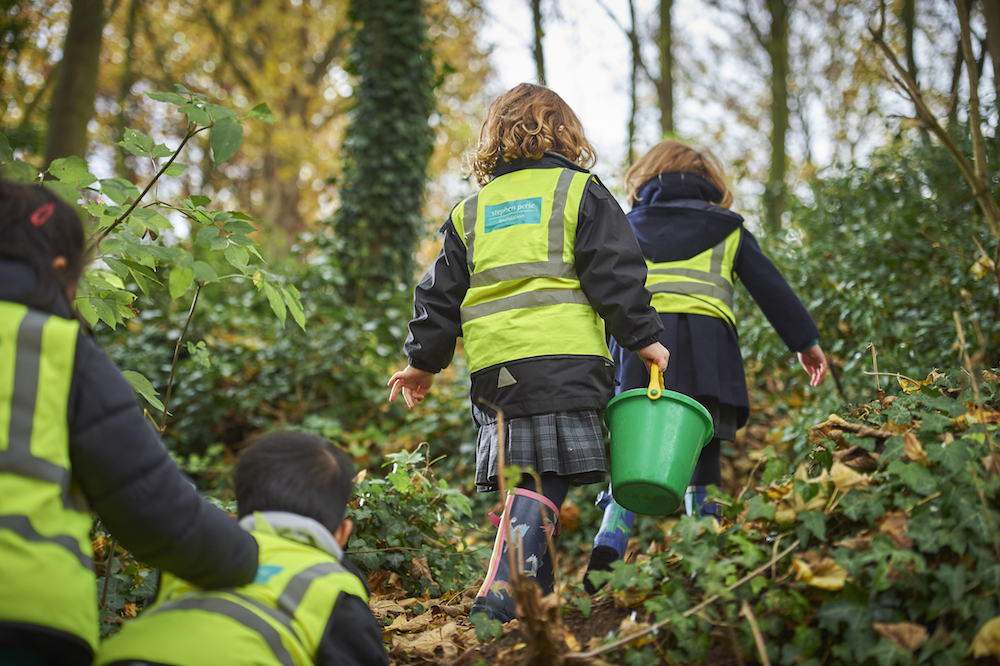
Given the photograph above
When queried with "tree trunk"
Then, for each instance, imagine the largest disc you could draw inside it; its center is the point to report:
(536, 15)
(991, 10)
(665, 86)
(73, 101)
(777, 47)
(125, 88)
(633, 84)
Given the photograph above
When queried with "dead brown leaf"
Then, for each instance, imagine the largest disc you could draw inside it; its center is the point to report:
(907, 636)
(819, 571)
(420, 569)
(857, 458)
(893, 525)
(914, 449)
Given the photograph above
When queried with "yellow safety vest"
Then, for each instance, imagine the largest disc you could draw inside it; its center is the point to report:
(701, 285)
(525, 298)
(279, 619)
(46, 558)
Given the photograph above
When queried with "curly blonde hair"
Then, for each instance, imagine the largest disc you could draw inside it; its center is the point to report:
(668, 156)
(527, 121)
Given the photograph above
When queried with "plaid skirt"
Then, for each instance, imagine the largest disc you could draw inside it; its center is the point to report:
(570, 444)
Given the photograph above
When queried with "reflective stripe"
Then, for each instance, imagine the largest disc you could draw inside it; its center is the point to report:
(26, 367)
(717, 280)
(693, 289)
(235, 611)
(557, 224)
(17, 459)
(296, 589)
(469, 209)
(21, 526)
(531, 269)
(530, 299)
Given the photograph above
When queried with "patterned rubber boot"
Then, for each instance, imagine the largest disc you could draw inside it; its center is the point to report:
(611, 539)
(695, 500)
(533, 517)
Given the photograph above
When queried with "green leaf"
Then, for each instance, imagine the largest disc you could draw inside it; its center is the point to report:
(400, 478)
(277, 303)
(175, 169)
(225, 138)
(180, 280)
(20, 172)
(143, 387)
(237, 257)
(198, 200)
(239, 227)
(585, 605)
(815, 521)
(486, 627)
(294, 303)
(72, 169)
(207, 234)
(161, 150)
(136, 143)
(151, 219)
(204, 272)
(219, 112)
(118, 190)
(915, 476)
(6, 153)
(169, 97)
(196, 114)
(758, 508)
(179, 87)
(261, 112)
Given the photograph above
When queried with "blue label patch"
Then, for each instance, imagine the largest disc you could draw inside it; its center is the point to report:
(266, 572)
(511, 213)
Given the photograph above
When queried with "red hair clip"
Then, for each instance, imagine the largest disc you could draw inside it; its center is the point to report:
(42, 214)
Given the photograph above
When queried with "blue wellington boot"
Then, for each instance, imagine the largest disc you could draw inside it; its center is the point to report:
(533, 518)
(695, 501)
(611, 539)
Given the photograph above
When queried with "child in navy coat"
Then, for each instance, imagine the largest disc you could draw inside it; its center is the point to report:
(695, 249)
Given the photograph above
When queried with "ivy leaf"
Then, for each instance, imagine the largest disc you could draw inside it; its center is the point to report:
(180, 280)
(143, 387)
(400, 478)
(758, 508)
(262, 113)
(225, 139)
(815, 521)
(486, 627)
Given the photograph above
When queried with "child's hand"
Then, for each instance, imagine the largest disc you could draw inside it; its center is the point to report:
(814, 362)
(654, 353)
(412, 382)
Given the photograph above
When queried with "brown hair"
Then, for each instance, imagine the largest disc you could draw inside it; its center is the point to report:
(527, 121)
(668, 156)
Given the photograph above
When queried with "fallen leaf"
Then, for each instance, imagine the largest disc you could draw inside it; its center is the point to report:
(914, 449)
(569, 516)
(893, 525)
(860, 542)
(987, 640)
(907, 636)
(819, 571)
(844, 478)
(420, 569)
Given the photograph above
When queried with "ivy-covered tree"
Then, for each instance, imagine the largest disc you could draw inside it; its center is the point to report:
(387, 147)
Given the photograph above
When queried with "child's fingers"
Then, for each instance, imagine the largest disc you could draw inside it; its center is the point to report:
(396, 384)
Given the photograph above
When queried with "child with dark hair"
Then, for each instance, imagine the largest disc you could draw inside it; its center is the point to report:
(696, 249)
(308, 604)
(532, 269)
(72, 439)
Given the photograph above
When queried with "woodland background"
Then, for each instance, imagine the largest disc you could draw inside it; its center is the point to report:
(243, 162)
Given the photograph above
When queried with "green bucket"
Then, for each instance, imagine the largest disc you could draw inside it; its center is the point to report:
(655, 444)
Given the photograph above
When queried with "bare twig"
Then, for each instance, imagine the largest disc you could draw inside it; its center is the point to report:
(758, 638)
(107, 573)
(974, 377)
(986, 509)
(582, 656)
(177, 353)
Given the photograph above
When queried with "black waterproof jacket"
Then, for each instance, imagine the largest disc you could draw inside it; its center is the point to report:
(128, 477)
(612, 273)
(674, 219)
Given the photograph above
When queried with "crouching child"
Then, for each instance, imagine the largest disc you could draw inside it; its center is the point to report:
(307, 605)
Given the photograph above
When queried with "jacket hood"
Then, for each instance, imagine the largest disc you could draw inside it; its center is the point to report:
(18, 284)
(674, 219)
(548, 160)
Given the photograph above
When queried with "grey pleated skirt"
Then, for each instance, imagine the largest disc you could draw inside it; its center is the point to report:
(570, 444)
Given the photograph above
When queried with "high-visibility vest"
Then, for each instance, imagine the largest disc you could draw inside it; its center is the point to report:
(46, 558)
(279, 619)
(701, 285)
(524, 298)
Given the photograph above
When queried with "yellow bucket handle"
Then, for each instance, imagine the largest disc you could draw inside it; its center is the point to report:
(655, 387)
